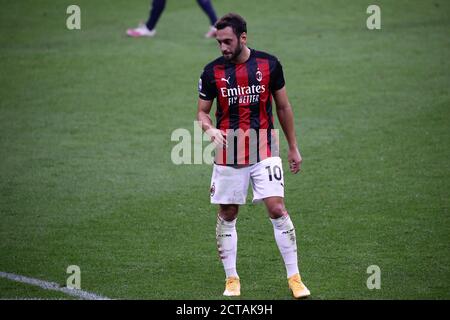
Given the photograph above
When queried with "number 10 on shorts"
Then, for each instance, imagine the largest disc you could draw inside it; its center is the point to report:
(276, 173)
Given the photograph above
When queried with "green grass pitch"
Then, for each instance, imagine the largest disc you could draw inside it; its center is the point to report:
(86, 176)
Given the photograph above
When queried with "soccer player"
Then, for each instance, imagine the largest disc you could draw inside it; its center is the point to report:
(148, 29)
(243, 81)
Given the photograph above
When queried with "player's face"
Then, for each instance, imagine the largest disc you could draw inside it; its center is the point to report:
(229, 44)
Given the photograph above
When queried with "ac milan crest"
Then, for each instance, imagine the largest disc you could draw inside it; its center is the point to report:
(212, 190)
(258, 75)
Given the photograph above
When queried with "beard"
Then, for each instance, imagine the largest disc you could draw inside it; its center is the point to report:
(234, 54)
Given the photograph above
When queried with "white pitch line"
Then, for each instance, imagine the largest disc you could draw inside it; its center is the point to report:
(52, 286)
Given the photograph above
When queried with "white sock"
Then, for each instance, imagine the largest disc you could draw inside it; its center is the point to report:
(285, 237)
(227, 245)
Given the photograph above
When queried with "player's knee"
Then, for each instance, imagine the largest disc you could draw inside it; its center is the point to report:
(228, 212)
(277, 210)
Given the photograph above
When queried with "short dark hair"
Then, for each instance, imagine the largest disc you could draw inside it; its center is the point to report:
(233, 20)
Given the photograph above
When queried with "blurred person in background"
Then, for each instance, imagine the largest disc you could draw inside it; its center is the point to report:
(148, 29)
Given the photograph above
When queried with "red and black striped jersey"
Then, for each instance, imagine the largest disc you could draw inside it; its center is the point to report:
(244, 103)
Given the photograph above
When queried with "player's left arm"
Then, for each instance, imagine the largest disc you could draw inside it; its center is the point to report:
(286, 118)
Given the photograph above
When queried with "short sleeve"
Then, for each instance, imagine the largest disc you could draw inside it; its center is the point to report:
(277, 78)
(206, 87)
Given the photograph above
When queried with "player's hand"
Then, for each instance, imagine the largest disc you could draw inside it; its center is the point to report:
(294, 159)
(217, 137)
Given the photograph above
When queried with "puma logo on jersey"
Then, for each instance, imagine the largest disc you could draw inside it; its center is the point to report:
(226, 80)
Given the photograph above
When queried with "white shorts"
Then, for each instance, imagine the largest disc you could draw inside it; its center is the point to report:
(230, 185)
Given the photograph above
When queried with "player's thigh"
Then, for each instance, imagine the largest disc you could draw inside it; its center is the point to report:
(267, 179)
(229, 185)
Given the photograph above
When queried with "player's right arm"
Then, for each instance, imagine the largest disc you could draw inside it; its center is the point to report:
(204, 108)
(207, 91)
